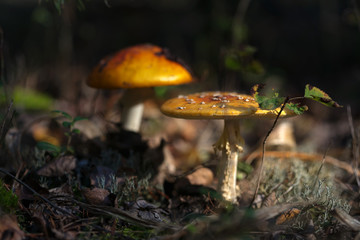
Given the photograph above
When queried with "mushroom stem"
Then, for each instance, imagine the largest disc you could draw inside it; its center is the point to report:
(231, 145)
(132, 115)
(133, 107)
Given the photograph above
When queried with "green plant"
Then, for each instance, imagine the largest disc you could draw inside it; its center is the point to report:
(274, 101)
(8, 200)
(69, 125)
(242, 60)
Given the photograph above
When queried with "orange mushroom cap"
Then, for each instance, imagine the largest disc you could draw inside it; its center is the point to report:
(138, 67)
(218, 105)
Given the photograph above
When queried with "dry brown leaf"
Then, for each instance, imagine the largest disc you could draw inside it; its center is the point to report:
(202, 176)
(287, 216)
(97, 196)
(58, 167)
(9, 228)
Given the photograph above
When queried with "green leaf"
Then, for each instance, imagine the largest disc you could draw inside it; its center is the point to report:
(76, 119)
(320, 96)
(29, 99)
(66, 115)
(80, 5)
(269, 103)
(76, 131)
(242, 60)
(48, 147)
(265, 102)
(59, 5)
(67, 124)
(296, 108)
(70, 150)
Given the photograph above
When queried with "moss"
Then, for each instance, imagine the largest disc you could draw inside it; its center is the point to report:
(298, 181)
(8, 200)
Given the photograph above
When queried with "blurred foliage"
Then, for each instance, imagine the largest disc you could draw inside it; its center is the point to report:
(59, 4)
(29, 99)
(242, 60)
(69, 125)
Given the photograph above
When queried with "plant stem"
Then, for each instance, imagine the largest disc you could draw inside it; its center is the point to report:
(263, 150)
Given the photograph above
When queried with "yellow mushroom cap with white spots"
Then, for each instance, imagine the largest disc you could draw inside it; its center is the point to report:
(218, 105)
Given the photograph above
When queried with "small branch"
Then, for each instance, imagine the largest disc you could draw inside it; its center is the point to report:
(2, 170)
(263, 150)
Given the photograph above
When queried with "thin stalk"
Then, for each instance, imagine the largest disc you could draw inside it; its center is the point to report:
(263, 150)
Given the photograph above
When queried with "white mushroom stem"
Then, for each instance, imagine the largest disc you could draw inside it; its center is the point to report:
(132, 116)
(133, 107)
(230, 145)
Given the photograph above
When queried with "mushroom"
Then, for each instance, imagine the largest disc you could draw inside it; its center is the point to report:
(138, 69)
(228, 106)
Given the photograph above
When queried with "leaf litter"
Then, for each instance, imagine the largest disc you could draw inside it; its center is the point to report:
(111, 194)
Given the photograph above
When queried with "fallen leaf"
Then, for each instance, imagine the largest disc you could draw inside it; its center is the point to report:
(202, 176)
(287, 216)
(98, 196)
(9, 228)
(58, 167)
(148, 211)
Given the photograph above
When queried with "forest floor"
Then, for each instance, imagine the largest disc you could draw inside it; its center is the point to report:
(93, 180)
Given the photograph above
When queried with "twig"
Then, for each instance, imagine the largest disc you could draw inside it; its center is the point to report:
(2, 170)
(355, 145)
(263, 150)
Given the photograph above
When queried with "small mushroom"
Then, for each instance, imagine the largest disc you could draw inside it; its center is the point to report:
(230, 144)
(138, 69)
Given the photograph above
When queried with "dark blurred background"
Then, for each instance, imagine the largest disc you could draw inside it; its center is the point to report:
(230, 44)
